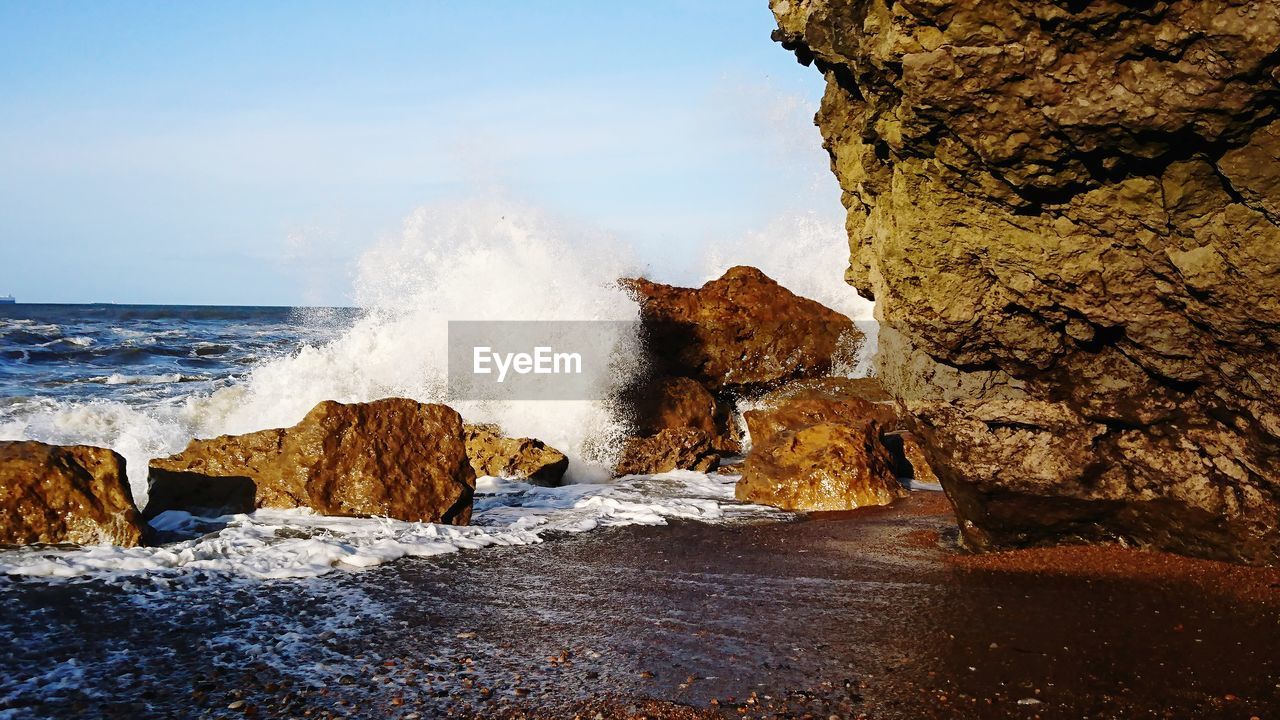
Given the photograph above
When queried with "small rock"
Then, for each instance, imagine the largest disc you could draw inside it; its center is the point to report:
(671, 449)
(65, 494)
(492, 453)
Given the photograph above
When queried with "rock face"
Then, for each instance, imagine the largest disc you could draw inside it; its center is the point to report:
(1069, 216)
(742, 332)
(816, 445)
(680, 402)
(916, 459)
(394, 457)
(65, 494)
(671, 449)
(492, 453)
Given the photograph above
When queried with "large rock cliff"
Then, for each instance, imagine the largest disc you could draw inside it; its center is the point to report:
(1069, 216)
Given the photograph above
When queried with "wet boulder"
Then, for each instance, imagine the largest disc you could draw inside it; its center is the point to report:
(667, 450)
(806, 402)
(200, 492)
(818, 446)
(833, 398)
(65, 494)
(680, 402)
(741, 333)
(823, 466)
(533, 461)
(394, 458)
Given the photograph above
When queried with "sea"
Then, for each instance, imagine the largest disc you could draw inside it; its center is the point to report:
(282, 591)
(145, 379)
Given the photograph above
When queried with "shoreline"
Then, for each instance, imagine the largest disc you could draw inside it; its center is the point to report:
(870, 613)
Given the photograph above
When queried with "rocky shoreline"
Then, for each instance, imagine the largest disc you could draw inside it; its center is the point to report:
(1057, 497)
(821, 443)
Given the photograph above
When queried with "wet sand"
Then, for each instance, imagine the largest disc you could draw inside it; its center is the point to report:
(867, 614)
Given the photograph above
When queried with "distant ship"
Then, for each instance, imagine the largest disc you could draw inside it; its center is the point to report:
(7, 300)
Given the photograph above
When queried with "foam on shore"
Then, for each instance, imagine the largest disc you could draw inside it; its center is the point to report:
(297, 543)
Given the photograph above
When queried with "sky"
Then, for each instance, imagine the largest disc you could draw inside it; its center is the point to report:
(249, 152)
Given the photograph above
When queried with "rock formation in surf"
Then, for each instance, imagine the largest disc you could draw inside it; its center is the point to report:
(681, 402)
(817, 445)
(65, 494)
(670, 449)
(1068, 214)
(741, 333)
(492, 453)
(818, 400)
(394, 457)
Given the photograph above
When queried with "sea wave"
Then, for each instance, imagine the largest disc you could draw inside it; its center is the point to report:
(155, 378)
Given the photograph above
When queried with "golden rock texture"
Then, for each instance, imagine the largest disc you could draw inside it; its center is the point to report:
(816, 445)
(394, 457)
(1069, 216)
(741, 333)
(670, 449)
(65, 494)
(492, 453)
(805, 402)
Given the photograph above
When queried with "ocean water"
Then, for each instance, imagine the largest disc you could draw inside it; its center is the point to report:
(145, 380)
(147, 377)
(289, 590)
(140, 354)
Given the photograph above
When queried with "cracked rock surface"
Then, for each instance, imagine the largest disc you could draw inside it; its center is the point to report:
(1069, 216)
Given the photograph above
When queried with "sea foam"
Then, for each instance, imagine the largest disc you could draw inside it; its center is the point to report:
(297, 543)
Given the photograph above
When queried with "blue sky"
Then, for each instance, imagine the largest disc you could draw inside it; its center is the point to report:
(177, 152)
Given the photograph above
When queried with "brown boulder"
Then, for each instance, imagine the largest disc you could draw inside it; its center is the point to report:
(823, 466)
(680, 402)
(834, 399)
(816, 445)
(394, 457)
(742, 332)
(671, 449)
(492, 453)
(807, 402)
(65, 494)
